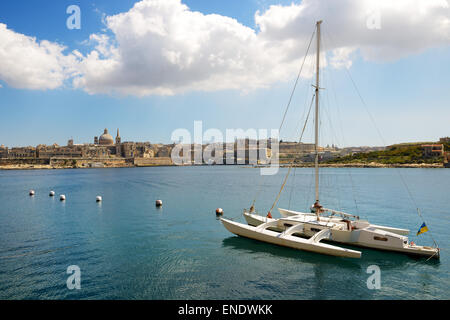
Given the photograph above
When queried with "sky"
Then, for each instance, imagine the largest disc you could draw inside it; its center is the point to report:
(150, 67)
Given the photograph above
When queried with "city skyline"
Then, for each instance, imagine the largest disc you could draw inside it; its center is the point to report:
(96, 140)
(400, 67)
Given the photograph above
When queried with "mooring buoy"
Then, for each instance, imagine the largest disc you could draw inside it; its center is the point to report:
(98, 199)
(52, 193)
(31, 193)
(219, 211)
(158, 203)
(62, 197)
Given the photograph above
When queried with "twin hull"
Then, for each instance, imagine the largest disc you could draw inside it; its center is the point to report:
(287, 240)
(369, 237)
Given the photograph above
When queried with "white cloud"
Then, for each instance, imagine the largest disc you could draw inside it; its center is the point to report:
(162, 47)
(405, 26)
(341, 57)
(28, 64)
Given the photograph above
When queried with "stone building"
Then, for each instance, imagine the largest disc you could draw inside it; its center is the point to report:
(97, 151)
(163, 150)
(431, 150)
(104, 146)
(295, 147)
(55, 151)
(22, 153)
(3, 152)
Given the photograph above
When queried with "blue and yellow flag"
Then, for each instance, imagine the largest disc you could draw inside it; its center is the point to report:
(423, 228)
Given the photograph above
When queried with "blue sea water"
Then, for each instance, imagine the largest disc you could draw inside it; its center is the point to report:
(126, 248)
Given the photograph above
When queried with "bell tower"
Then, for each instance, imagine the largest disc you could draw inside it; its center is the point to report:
(118, 142)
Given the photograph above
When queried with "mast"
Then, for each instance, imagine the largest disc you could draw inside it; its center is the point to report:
(316, 143)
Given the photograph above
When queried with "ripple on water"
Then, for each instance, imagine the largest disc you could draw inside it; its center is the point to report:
(128, 249)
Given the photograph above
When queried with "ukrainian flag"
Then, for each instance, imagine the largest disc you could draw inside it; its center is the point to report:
(423, 228)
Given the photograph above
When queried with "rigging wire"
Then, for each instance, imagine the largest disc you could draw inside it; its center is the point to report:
(286, 110)
(327, 110)
(292, 189)
(292, 161)
(384, 143)
(338, 108)
(296, 132)
(296, 81)
(328, 78)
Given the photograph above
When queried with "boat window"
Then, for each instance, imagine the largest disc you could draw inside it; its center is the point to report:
(380, 238)
(287, 225)
(316, 230)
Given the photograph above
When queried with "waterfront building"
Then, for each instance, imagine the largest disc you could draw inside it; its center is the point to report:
(55, 151)
(430, 150)
(3, 152)
(295, 147)
(22, 153)
(104, 146)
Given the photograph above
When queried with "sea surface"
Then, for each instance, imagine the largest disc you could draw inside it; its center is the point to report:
(126, 248)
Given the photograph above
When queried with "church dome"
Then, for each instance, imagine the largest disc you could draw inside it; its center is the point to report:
(106, 139)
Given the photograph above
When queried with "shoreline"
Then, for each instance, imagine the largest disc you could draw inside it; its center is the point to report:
(360, 165)
(49, 167)
(304, 165)
(380, 165)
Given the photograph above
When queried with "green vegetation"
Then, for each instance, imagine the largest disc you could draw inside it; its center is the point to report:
(446, 146)
(396, 154)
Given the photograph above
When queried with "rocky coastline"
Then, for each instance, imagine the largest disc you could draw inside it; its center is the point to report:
(371, 165)
(25, 166)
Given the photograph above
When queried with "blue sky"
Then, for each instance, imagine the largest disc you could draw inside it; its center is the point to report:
(407, 94)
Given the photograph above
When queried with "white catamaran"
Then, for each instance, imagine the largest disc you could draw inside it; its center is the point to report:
(307, 230)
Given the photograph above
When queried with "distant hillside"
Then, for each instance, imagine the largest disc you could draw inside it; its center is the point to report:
(404, 153)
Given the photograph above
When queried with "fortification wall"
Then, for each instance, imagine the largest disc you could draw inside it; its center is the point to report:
(160, 161)
(19, 161)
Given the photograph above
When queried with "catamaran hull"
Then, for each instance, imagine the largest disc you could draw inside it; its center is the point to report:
(290, 213)
(290, 241)
(362, 238)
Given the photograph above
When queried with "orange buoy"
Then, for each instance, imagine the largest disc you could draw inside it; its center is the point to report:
(219, 211)
(269, 215)
(158, 203)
